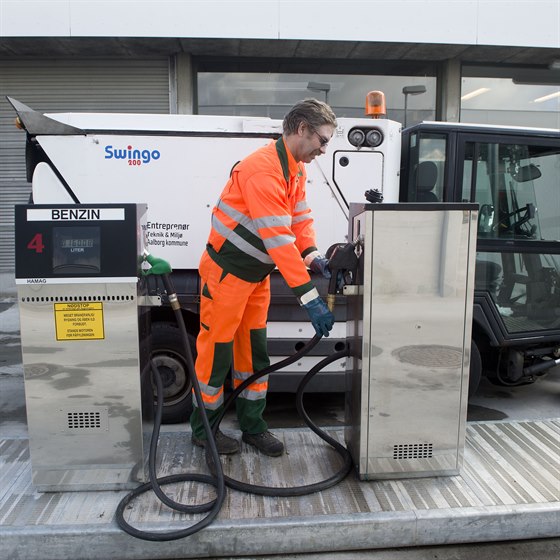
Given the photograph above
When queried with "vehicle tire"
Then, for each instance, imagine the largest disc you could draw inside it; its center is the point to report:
(169, 357)
(475, 370)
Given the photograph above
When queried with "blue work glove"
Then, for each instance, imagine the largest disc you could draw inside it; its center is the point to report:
(320, 265)
(321, 318)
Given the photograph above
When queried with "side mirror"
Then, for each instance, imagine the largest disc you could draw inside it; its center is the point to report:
(527, 173)
(485, 218)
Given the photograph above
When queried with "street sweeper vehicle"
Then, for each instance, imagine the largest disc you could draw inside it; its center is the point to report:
(178, 165)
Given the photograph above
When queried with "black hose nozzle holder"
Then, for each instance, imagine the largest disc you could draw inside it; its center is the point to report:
(343, 263)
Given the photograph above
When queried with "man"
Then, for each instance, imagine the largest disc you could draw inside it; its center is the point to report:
(260, 222)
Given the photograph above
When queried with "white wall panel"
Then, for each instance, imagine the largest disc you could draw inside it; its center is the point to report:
(521, 23)
(39, 18)
(414, 21)
(141, 18)
(172, 18)
(486, 22)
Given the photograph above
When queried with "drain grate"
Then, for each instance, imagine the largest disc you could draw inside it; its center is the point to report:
(432, 356)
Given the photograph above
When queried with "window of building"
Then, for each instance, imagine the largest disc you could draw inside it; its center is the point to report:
(272, 94)
(510, 97)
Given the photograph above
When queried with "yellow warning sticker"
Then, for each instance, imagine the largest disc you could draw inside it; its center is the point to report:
(79, 321)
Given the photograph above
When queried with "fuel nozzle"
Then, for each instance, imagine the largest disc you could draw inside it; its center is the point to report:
(343, 262)
(158, 266)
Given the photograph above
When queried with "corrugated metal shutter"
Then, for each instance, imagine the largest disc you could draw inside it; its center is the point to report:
(123, 85)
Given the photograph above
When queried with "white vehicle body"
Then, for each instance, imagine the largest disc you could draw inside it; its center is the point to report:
(178, 166)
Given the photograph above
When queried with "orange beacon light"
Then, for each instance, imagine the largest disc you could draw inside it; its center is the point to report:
(375, 105)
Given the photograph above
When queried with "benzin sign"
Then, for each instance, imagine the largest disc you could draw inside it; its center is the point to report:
(74, 214)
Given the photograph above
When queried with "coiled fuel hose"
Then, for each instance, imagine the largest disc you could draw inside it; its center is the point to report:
(217, 477)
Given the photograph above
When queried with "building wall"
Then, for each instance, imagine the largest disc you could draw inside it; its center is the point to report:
(533, 23)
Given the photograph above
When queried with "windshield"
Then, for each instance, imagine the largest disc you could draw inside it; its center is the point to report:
(517, 187)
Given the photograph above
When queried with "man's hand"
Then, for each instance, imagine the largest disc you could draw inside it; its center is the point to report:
(321, 318)
(320, 265)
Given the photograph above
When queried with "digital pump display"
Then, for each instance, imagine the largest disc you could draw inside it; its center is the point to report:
(77, 250)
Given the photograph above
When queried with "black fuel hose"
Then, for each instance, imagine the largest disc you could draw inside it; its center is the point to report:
(288, 491)
(155, 483)
(217, 478)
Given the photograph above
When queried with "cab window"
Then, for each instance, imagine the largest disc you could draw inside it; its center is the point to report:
(516, 187)
(427, 165)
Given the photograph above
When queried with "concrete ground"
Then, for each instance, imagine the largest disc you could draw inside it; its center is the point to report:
(538, 401)
(545, 549)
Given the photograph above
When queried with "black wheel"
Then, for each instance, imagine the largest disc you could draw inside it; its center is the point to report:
(475, 371)
(168, 357)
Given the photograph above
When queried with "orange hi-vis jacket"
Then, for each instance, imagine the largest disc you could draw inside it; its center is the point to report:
(262, 220)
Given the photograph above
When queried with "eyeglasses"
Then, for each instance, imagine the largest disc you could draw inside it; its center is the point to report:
(322, 140)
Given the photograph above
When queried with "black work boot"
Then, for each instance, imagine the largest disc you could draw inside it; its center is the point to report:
(226, 445)
(265, 442)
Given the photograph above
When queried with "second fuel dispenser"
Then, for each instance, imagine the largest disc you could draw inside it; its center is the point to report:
(409, 329)
(84, 340)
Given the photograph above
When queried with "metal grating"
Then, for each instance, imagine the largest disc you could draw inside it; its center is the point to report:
(413, 451)
(507, 490)
(83, 420)
(80, 421)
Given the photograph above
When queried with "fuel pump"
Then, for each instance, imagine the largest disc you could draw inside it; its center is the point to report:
(87, 374)
(409, 330)
(84, 340)
(85, 352)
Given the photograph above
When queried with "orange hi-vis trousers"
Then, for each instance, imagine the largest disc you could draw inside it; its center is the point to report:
(233, 316)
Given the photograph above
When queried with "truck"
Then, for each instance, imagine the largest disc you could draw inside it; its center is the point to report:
(178, 165)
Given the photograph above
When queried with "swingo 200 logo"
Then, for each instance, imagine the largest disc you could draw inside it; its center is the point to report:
(134, 156)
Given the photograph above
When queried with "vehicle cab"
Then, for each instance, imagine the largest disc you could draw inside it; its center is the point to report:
(514, 176)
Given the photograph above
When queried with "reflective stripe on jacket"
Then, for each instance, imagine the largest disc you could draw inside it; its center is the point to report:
(262, 220)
